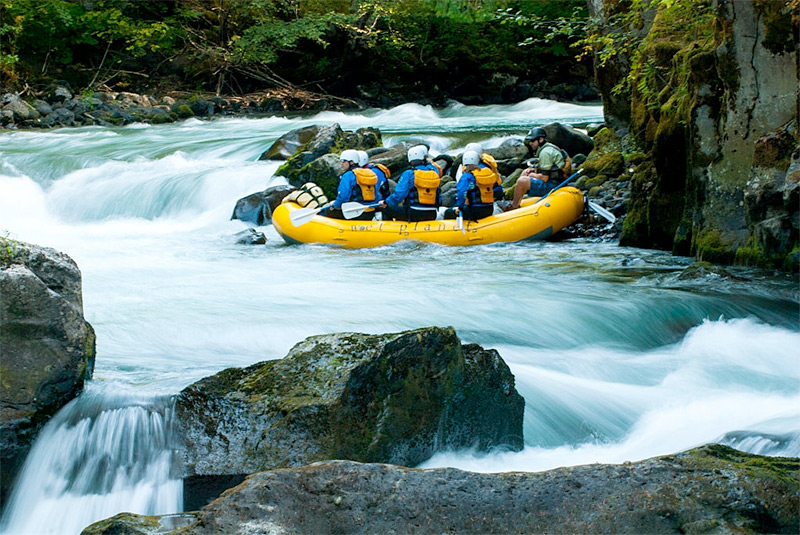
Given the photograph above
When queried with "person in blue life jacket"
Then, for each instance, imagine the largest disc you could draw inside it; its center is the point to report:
(417, 196)
(356, 184)
(380, 170)
(552, 167)
(477, 189)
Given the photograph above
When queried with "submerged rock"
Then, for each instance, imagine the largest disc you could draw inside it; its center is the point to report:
(48, 348)
(712, 489)
(395, 398)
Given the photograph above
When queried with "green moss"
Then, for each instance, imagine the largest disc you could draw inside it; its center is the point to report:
(791, 262)
(590, 183)
(636, 158)
(751, 256)
(605, 140)
(126, 524)
(184, 111)
(160, 119)
(776, 18)
(710, 245)
(611, 164)
(785, 469)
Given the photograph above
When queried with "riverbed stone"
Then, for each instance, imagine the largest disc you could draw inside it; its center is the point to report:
(48, 348)
(395, 398)
(710, 489)
(257, 208)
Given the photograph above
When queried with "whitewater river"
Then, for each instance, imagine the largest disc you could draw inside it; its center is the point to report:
(619, 355)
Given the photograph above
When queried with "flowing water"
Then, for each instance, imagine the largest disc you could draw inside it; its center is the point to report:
(619, 354)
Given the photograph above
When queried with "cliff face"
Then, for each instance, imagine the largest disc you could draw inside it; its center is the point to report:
(710, 93)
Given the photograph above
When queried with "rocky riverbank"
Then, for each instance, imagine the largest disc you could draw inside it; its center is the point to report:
(59, 106)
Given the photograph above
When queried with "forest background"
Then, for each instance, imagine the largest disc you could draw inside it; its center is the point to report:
(377, 52)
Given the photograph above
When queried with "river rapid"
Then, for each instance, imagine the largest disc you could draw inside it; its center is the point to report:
(619, 353)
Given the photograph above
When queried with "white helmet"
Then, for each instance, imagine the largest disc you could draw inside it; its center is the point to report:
(477, 147)
(417, 152)
(471, 157)
(363, 158)
(349, 155)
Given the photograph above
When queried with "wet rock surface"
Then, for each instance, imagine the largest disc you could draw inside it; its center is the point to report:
(394, 398)
(711, 489)
(48, 348)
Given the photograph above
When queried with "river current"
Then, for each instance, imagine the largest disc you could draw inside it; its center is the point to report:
(619, 353)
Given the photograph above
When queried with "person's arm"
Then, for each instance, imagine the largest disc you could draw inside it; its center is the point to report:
(461, 190)
(402, 189)
(345, 187)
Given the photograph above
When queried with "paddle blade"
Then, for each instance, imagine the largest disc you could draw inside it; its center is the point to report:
(602, 212)
(353, 209)
(303, 215)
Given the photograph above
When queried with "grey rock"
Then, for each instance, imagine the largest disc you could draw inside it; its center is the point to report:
(395, 398)
(48, 347)
(20, 110)
(712, 489)
(568, 138)
(250, 237)
(257, 208)
(289, 143)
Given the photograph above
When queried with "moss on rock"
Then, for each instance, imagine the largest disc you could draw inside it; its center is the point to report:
(387, 398)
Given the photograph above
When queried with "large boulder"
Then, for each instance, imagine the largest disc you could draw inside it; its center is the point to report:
(257, 208)
(286, 145)
(48, 348)
(326, 140)
(395, 158)
(712, 489)
(393, 398)
(568, 138)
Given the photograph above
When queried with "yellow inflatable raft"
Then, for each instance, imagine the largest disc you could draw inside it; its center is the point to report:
(537, 219)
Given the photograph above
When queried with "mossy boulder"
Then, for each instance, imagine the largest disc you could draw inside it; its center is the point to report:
(393, 398)
(289, 143)
(608, 164)
(606, 140)
(48, 348)
(328, 140)
(711, 489)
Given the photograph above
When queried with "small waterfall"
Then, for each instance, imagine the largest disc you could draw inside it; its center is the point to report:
(104, 453)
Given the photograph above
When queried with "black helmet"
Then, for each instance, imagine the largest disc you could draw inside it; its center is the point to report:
(536, 132)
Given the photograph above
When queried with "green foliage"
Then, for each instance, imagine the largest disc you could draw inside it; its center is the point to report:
(262, 42)
(237, 44)
(9, 249)
(64, 32)
(557, 25)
